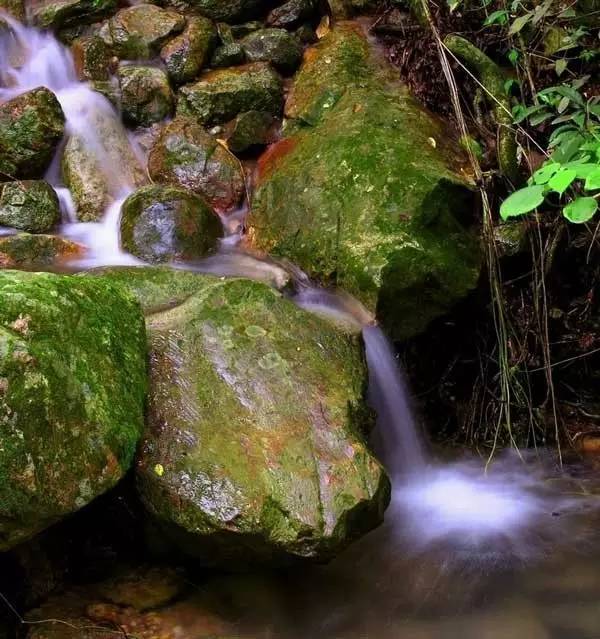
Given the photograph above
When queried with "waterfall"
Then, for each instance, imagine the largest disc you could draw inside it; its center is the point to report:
(30, 58)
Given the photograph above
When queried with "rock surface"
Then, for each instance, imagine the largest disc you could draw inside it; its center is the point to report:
(186, 155)
(255, 448)
(291, 13)
(146, 95)
(31, 126)
(276, 46)
(249, 129)
(36, 251)
(91, 56)
(226, 10)
(186, 54)
(55, 14)
(29, 205)
(165, 223)
(367, 190)
(139, 31)
(218, 96)
(72, 389)
(228, 55)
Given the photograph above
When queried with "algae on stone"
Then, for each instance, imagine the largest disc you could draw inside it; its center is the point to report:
(146, 95)
(36, 251)
(368, 190)
(255, 448)
(57, 14)
(72, 391)
(29, 205)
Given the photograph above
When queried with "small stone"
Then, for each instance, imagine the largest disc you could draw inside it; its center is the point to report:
(291, 13)
(251, 128)
(276, 46)
(228, 55)
(146, 95)
(92, 58)
(29, 205)
(27, 251)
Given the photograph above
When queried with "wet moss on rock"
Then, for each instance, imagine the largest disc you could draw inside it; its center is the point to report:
(38, 251)
(146, 95)
(29, 205)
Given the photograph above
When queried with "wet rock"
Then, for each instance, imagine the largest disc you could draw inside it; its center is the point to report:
(92, 58)
(255, 449)
(72, 365)
(367, 190)
(57, 14)
(186, 155)
(31, 127)
(165, 223)
(249, 129)
(146, 95)
(306, 34)
(36, 251)
(226, 10)
(15, 8)
(511, 238)
(276, 46)
(29, 205)
(138, 32)
(291, 13)
(97, 173)
(186, 54)
(220, 95)
(228, 55)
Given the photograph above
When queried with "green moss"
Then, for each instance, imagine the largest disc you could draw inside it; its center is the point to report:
(146, 95)
(36, 251)
(369, 197)
(56, 14)
(72, 364)
(29, 205)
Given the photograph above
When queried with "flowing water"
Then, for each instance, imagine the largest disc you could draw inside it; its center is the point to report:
(464, 552)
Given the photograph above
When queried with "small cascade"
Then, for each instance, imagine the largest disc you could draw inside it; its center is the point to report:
(30, 58)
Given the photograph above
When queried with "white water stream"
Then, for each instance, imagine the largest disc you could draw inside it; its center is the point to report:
(432, 505)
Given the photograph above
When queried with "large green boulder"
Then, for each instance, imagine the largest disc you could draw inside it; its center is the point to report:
(368, 189)
(186, 54)
(256, 442)
(146, 95)
(139, 31)
(218, 96)
(276, 46)
(186, 155)
(29, 205)
(226, 10)
(37, 251)
(31, 127)
(72, 391)
(56, 14)
(165, 223)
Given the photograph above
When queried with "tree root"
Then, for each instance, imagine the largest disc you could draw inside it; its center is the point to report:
(492, 79)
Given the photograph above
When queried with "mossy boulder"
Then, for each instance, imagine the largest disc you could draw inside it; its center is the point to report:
(256, 442)
(146, 95)
(292, 13)
(250, 129)
(31, 127)
(166, 223)
(28, 251)
(368, 191)
(58, 14)
(29, 205)
(229, 54)
(98, 173)
(91, 56)
(72, 391)
(226, 10)
(276, 46)
(138, 32)
(186, 155)
(218, 96)
(186, 54)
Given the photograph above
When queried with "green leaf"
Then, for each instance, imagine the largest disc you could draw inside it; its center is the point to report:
(522, 201)
(560, 66)
(592, 181)
(519, 23)
(497, 17)
(580, 210)
(583, 170)
(538, 118)
(563, 104)
(513, 56)
(543, 174)
(562, 180)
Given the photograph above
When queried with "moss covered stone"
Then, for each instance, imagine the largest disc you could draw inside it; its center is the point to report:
(72, 390)
(138, 32)
(146, 95)
(367, 190)
(165, 223)
(229, 54)
(91, 56)
(28, 251)
(292, 13)
(29, 205)
(276, 46)
(255, 448)
(249, 129)
(186, 54)
(57, 14)
(226, 10)
(31, 126)
(220, 95)
(186, 155)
